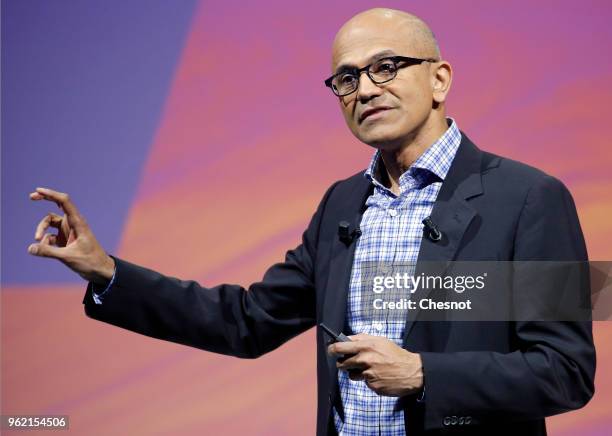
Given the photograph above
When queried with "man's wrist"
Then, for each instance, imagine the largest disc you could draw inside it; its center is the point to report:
(415, 378)
(106, 273)
(109, 269)
(421, 375)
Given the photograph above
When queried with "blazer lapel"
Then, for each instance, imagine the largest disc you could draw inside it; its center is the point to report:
(451, 212)
(351, 210)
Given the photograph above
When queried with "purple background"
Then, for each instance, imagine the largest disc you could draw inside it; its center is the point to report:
(83, 88)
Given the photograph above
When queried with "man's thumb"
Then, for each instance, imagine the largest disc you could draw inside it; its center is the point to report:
(44, 250)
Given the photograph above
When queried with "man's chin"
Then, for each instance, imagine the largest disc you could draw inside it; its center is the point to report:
(380, 140)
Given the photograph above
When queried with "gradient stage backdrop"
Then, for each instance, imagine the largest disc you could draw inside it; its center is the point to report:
(197, 139)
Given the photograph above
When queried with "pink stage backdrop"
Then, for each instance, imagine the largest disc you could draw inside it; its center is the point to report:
(246, 142)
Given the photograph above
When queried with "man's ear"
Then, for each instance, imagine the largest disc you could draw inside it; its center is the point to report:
(441, 81)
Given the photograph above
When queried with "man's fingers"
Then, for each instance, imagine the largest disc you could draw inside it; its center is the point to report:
(46, 250)
(63, 201)
(49, 239)
(353, 362)
(61, 198)
(51, 220)
(349, 347)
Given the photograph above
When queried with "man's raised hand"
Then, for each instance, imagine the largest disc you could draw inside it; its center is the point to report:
(74, 244)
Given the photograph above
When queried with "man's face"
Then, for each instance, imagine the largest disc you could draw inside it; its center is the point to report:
(388, 114)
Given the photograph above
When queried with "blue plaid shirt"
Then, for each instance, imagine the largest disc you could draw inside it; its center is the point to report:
(391, 233)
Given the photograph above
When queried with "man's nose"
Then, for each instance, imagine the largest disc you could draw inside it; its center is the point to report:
(367, 89)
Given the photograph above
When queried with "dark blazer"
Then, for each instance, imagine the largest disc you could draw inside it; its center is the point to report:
(480, 377)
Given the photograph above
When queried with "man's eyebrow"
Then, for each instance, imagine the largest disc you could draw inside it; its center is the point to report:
(383, 54)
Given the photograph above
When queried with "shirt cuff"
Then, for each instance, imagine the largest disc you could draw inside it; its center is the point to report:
(97, 297)
(421, 397)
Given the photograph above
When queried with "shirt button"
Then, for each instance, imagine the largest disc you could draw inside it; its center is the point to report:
(392, 212)
(378, 326)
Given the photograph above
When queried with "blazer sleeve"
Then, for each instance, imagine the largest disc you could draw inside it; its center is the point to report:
(226, 318)
(552, 369)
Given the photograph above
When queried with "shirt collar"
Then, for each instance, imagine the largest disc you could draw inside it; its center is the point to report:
(434, 162)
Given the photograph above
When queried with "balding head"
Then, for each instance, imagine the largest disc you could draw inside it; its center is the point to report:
(379, 23)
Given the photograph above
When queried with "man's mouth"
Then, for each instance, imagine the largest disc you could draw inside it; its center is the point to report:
(371, 112)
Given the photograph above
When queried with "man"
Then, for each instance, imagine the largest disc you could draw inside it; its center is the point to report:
(402, 376)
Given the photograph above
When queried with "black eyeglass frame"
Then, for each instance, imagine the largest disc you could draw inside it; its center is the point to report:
(357, 71)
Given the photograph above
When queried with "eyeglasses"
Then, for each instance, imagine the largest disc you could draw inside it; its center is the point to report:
(384, 70)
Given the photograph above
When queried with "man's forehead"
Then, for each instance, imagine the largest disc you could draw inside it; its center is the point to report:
(357, 48)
